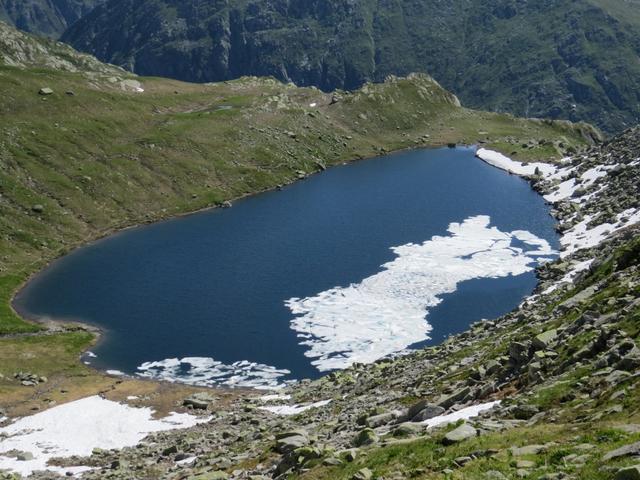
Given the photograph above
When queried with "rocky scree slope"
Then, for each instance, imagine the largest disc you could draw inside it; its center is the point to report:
(575, 60)
(49, 18)
(558, 378)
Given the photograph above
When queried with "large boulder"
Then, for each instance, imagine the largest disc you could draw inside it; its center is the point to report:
(448, 401)
(290, 440)
(460, 434)
(365, 437)
(628, 473)
(545, 339)
(633, 449)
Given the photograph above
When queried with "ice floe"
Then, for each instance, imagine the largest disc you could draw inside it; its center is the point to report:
(386, 313)
(293, 409)
(76, 428)
(206, 371)
(505, 163)
(462, 414)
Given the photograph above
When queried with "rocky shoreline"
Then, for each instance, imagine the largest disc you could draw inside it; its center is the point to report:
(568, 356)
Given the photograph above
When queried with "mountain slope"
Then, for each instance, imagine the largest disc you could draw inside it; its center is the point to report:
(576, 60)
(45, 17)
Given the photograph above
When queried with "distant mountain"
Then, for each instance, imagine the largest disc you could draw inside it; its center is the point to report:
(45, 17)
(573, 59)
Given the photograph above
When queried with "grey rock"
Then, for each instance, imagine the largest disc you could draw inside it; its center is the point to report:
(45, 91)
(524, 412)
(447, 401)
(365, 437)
(460, 434)
(25, 456)
(628, 473)
(527, 450)
(379, 420)
(363, 474)
(200, 400)
(632, 449)
(545, 339)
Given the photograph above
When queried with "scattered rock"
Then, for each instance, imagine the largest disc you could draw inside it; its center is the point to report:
(463, 432)
(363, 474)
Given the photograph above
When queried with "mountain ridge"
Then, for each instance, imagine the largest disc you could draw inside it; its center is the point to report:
(49, 18)
(566, 60)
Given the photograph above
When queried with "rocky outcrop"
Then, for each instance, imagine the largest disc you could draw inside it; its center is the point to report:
(45, 17)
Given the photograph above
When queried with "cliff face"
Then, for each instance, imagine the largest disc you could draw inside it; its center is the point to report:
(45, 17)
(570, 59)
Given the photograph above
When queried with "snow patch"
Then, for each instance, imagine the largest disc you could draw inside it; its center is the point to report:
(76, 428)
(564, 190)
(206, 371)
(499, 160)
(462, 414)
(293, 409)
(580, 236)
(274, 397)
(385, 313)
(116, 372)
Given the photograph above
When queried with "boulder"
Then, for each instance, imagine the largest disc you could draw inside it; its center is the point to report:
(365, 437)
(633, 449)
(288, 444)
(524, 412)
(545, 339)
(460, 434)
(429, 411)
(363, 474)
(527, 450)
(289, 440)
(45, 91)
(379, 420)
(406, 429)
(447, 401)
(628, 473)
(24, 456)
(200, 400)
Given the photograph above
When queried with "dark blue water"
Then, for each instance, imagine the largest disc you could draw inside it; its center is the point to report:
(213, 284)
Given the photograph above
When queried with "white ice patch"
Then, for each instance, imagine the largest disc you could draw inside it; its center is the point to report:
(91, 354)
(117, 373)
(386, 312)
(206, 371)
(499, 160)
(293, 409)
(462, 414)
(76, 428)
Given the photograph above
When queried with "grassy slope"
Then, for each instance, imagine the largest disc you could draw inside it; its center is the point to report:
(104, 158)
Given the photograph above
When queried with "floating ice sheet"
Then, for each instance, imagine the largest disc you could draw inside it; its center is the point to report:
(385, 313)
(209, 372)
